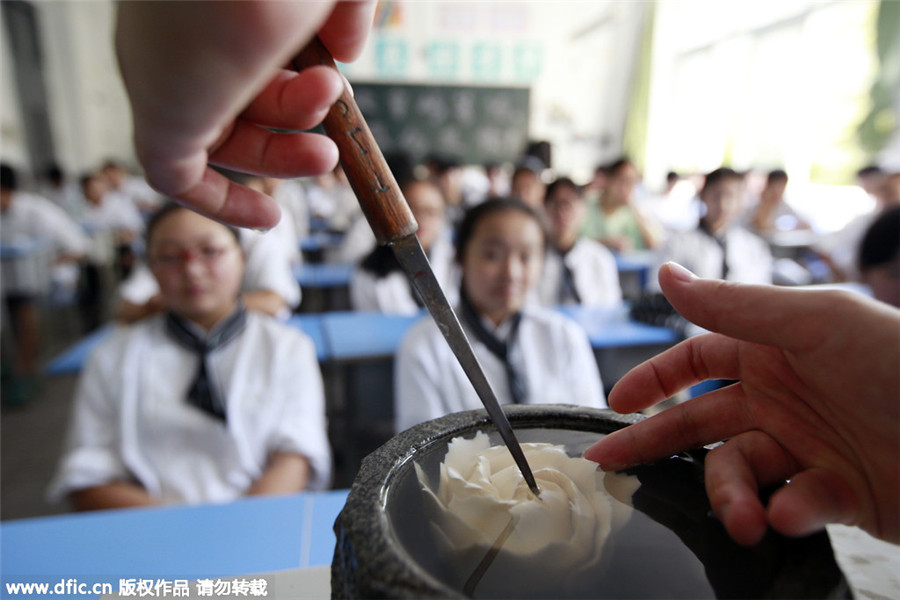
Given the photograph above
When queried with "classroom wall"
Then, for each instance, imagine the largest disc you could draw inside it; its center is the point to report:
(576, 57)
(12, 136)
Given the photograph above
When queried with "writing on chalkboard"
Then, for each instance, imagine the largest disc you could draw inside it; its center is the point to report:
(474, 124)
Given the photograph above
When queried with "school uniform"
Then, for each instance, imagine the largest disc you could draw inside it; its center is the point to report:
(392, 293)
(587, 274)
(736, 255)
(31, 217)
(116, 212)
(548, 360)
(132, 420)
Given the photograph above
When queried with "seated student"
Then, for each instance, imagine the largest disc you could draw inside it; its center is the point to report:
(205, 403)
(771, 213)
(720, 248)
(616, 221)
(379, 282)
(577, 269)
(527, 186)
(530, 355)
(268, 286)
(879, 256)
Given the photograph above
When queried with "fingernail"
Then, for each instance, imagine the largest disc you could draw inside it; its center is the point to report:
(680, 273)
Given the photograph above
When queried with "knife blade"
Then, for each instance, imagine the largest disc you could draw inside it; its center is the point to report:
(394, 225)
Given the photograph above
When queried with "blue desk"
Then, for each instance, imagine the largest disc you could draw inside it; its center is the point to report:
(72, 360)
(249, 536)
(611, 328)
(364, 335)
(321, 240)
(634, 271)
(323, 275)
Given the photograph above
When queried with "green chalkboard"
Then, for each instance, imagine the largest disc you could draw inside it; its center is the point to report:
(475, 124)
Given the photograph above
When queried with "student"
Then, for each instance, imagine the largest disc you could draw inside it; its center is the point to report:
(879, 257)
(135, 189)
(269, 285)
(205, 403)
(617, 222)
(720, 248)
(526, 185)
(816, 406)
(772, 213)
(577, 269)
(840, 249)
(29, 218)
(379, 282)
(530, 355)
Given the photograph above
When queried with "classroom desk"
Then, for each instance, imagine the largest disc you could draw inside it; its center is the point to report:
(634, 271)
(358, 335)
(250, 535)
(319, 241)
(326, 286)
(323, 275)
(72, 360)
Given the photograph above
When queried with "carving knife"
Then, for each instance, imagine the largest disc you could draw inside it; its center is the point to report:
(394, 225)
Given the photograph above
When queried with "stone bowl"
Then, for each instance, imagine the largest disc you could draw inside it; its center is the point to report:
(384, 549)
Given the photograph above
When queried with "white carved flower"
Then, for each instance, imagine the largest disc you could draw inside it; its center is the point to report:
(482, 500)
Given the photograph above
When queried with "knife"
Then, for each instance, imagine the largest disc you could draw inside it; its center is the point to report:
(394, 225)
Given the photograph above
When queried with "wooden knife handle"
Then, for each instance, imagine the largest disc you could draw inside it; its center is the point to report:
(367, 170)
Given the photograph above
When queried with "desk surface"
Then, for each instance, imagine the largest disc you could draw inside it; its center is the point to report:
(611, 328)
(251, 535)
(72, 360)
(323, 275)
(356, 335)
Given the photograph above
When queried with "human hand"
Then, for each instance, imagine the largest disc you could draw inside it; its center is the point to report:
(205, 84)
(817, 404)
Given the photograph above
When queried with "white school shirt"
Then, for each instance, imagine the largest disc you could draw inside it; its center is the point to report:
(552, 352)
(749, 257)
(30, 216)
(393, 293)
(116, 212)
(131, 419)
(269, 258)
(593, 269)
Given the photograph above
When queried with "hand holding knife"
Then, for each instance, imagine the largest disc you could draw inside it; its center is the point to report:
(394, 225)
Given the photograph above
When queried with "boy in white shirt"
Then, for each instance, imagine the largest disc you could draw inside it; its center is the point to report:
(577, 269)
(719, 247)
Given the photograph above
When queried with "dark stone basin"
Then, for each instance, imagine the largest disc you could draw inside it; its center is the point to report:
(676, 549)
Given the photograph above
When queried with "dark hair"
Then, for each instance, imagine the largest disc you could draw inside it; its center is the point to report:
(614, 167)
(479, 212)
(776, 175)
(381, 261)
(170, 207)
(8, 178)
(881, 243)
(720, 174)
(869, 170)
(672, 176)
(561, 182)
(53, 173)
